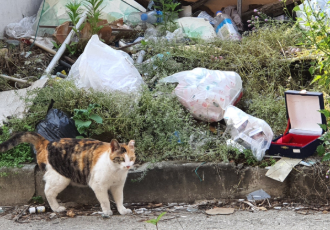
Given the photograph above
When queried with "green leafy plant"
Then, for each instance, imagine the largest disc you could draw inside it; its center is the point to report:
(324, 148)
(155, 221)
(56, 45)
(37, 200)
(169, 13)
(84, 118)
(74, 11)
(72, 48)
(93, 14)
(315, 30)
(16, 156)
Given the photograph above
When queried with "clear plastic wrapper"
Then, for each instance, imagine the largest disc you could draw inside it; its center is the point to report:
(248, 131)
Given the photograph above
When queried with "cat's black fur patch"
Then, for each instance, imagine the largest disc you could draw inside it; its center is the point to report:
(63, 162)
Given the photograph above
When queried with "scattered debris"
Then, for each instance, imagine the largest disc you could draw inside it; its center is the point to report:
(258, 195)
(52, 215)
(70, 213)
(220, 211)
(12, 105)
(282, 168)
(38, 209)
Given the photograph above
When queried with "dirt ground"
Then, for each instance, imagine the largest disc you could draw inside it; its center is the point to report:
(272, 219)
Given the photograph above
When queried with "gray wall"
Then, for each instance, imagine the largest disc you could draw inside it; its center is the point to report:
(15, 10)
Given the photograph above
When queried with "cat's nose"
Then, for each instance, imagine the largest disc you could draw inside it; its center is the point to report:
(128, 167)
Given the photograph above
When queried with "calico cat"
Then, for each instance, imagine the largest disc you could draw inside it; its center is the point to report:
(100, 165)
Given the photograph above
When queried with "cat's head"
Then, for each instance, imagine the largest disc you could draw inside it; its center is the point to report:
(122, 154)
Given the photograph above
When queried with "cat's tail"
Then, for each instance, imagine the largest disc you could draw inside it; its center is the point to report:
(27, 137)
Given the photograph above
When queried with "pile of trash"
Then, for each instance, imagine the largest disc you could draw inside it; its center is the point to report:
(106, 63)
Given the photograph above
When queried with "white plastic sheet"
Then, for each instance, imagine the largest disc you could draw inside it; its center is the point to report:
(197, 28)
(21, 29)
(314, 7)
(248, 131)
(105, 69)
(206, 93)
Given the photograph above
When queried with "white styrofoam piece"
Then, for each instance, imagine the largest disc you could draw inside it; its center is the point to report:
(11, 103)
(304, 114)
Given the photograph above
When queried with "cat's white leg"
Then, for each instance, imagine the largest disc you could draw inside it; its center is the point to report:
(55, 183)
(118, 196)
(103, 197)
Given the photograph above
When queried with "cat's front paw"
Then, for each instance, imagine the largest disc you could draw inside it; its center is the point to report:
(59, 209)
(107, 214)
(125, 211)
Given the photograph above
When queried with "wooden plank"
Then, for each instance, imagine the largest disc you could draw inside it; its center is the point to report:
(267, 9)
(239, 7)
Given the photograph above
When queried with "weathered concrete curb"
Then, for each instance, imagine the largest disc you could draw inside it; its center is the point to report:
(17, 185)
(177, 182)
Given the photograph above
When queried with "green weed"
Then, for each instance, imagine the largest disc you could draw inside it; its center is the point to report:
(16, 156)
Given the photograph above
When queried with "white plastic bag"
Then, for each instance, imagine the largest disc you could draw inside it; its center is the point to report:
(206, 93)
(22, 29)
(315, 6)
(105, 69)
(197, 28)
(248, 131)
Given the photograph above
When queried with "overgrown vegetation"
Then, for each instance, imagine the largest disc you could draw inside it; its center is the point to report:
(313, 24)
(16, 156)
(162, 128)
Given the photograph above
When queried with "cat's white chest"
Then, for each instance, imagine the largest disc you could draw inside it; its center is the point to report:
(107, 173)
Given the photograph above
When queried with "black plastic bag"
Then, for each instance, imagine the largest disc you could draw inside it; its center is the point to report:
(57, 125)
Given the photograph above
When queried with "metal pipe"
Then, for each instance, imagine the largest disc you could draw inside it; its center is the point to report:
(61, 50)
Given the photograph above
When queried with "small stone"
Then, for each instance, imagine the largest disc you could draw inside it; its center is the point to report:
(277, 208)
(52, 215)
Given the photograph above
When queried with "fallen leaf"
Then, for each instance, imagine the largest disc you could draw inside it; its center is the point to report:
(70, 213)
(220, 211)
(262, 208)
(325, 212)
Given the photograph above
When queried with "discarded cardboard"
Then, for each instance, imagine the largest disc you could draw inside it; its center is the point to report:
(11, 103)
(282, 168)
(220, 211)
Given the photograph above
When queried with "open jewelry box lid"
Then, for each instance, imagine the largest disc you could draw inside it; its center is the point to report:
(303, 111)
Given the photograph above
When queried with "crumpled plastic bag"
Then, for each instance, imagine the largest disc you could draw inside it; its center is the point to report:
(197, 28)
(22, 29)
(315, 6)
(105, 69)
(248, 131)
(206, 93)
(55, 126)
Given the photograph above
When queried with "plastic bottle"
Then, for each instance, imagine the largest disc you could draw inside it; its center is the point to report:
(136, 18)
(225, 28)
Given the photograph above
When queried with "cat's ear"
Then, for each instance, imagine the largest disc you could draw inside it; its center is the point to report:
(114, 145)
(131, 144)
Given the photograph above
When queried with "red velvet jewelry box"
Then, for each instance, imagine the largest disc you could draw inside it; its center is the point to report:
(300, 139)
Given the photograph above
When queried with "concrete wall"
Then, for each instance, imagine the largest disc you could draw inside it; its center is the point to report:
(15, 10)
